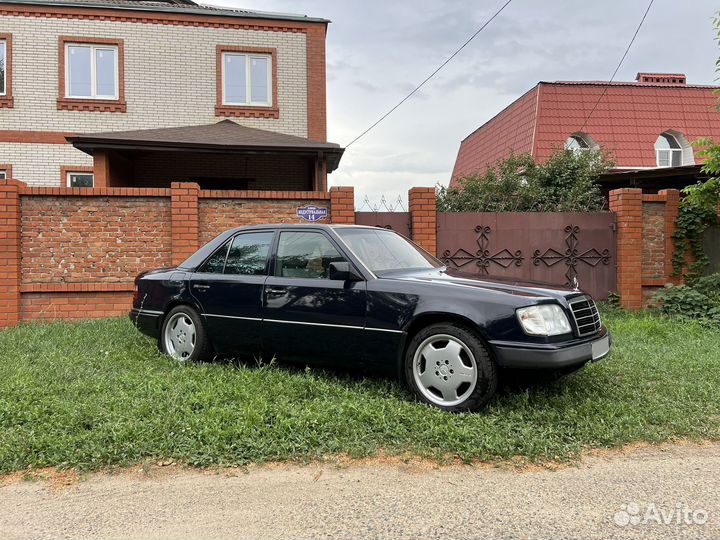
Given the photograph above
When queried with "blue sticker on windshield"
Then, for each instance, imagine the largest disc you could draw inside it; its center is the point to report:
(312, 212)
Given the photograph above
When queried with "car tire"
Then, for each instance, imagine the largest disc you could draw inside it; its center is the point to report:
(183, 336)
(448, 366)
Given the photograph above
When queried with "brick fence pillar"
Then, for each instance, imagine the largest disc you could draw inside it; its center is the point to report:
(342, 204)
(423, 217)
(672, 210)
(627, 205)
(184, 219)
(9, 252)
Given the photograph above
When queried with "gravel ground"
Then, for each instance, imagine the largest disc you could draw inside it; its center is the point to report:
(380, 499)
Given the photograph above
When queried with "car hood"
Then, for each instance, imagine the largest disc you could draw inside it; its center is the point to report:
(456, 278)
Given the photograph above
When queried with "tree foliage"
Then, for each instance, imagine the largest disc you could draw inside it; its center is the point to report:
(566, 182)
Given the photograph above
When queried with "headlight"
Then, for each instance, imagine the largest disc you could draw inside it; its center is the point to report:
(543, 320)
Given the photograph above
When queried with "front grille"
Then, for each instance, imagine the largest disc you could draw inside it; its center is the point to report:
(586, 315)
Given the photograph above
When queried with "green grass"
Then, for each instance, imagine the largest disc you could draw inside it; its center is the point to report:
(97, 393)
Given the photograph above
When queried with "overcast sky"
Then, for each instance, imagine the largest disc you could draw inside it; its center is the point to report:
(378, 50)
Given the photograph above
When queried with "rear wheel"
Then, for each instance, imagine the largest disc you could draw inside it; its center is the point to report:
(448, 366)
(183, 336)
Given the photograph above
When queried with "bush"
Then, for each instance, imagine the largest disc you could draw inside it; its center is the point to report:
(566, 182)
(699, 300)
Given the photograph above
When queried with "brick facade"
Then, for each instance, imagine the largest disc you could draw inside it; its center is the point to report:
(646, 223)
(343, 204)
(423, 217)
(74, 253)
(159, 90)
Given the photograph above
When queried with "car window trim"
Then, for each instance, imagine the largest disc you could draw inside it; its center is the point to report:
(227, 243)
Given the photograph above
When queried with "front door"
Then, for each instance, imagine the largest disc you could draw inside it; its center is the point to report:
(229, 287)
(307, 315)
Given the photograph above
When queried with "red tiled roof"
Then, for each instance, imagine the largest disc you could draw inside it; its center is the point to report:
(627, 121)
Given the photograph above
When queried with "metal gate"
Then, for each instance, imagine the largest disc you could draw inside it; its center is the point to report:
(397, 221)
(555, 247)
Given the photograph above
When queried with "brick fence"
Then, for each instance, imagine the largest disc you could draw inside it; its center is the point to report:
(73, 253)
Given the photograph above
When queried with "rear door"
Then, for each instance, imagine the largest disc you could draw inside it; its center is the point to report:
(306, 314)
(229, 287)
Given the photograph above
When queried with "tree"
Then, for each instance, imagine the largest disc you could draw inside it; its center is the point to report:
(566, 182)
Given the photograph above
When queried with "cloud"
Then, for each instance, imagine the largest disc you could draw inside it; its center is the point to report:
(377, 51)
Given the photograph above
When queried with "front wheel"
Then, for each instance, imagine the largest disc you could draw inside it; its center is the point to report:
(183, 336)
(448, 366)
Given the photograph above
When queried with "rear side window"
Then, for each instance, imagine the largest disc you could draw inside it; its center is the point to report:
(248, 254)
(305, 255)
(216, 262)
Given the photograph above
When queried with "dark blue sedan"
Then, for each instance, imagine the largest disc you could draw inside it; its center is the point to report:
(365, 297)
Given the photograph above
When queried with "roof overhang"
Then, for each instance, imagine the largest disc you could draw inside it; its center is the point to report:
(225, 137)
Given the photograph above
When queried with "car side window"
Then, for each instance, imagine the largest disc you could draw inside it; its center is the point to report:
(248, 254)
(305, 255)
(216, 262)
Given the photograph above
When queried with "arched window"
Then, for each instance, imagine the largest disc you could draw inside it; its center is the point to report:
(579, 142)
(668, 150)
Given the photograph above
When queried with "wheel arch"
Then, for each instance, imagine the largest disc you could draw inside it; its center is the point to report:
(426, 319)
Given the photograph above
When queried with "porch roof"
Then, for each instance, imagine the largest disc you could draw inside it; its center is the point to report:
(225, 136)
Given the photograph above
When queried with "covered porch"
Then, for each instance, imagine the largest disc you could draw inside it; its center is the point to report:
(224, 155)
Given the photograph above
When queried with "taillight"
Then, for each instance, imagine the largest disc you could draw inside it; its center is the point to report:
(136, 294)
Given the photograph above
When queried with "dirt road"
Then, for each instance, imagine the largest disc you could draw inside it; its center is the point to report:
(629, 495)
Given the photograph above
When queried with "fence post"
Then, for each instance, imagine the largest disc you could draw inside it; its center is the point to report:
(672, 210)
(342, 204)
(627, 205)
(184, 218)
(9, 252)
(423, 217)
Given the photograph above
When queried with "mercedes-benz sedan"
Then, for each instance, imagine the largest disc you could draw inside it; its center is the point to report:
(364, 297)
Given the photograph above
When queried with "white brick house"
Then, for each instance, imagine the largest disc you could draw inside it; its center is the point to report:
(85, 66)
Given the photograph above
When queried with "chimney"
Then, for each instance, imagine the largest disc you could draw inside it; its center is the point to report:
(661, 78)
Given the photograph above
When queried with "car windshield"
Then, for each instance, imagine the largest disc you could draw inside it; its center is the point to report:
(380, 249)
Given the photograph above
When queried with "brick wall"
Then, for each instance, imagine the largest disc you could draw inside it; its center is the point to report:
(218, 215)
(93, 239)
(73, 253)
(423, 217)
(646, 223)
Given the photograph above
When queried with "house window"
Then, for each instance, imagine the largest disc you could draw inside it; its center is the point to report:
(247, 79)
(3, 174)
(3, 67)
(669, 151)
(6, 98)
(91, 71)
(80, 179)
(579, 142)
(246, 82)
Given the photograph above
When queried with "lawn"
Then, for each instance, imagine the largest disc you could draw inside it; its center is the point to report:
(98, 393)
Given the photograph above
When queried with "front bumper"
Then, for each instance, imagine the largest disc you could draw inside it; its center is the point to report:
(147, 321)
(553, 355)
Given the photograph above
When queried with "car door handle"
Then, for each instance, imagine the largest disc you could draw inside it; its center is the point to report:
(276, 292)
(200, 287)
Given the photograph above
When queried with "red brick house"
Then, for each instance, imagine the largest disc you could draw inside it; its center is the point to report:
(72, 69)
(646, 124)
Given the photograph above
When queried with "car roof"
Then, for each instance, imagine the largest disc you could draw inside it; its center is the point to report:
(319, 226)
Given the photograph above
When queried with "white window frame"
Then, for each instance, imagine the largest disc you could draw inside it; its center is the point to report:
(68, 174)
(3, 90)
(3, 174)
(93, 70)
(248, 82)
(670, 152)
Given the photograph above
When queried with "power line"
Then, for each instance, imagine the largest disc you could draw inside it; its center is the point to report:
(419, 86)
(637, 30)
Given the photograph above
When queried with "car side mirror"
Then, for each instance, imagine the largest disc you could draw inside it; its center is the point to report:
(342, 271)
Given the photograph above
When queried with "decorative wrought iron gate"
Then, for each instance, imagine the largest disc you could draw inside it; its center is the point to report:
(552, 247)
(397, 221)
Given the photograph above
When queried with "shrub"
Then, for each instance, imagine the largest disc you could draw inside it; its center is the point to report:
(566, 182)
(700, 299)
